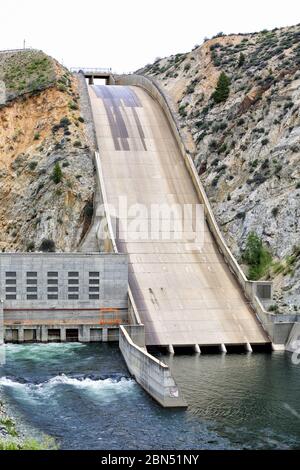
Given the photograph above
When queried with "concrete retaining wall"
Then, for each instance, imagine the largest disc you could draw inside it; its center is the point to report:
(149, 372)
(274, 326)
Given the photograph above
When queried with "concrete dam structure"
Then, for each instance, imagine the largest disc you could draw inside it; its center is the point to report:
(184, 296)
(175, 286)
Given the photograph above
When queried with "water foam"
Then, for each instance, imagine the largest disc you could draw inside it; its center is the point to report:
(115, 386)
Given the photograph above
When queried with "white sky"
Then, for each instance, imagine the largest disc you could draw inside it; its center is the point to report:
(127, 34)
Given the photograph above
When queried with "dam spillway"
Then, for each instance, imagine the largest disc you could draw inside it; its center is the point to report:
(184, 296)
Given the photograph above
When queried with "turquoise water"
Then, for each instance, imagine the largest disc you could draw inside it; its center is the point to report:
(83, 396)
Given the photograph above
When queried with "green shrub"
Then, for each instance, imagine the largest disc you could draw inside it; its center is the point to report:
(256, 256)
(73, 105)
(65, 122)
(36, 136)
(32, 165)
(47, 246)
(28, 444)
(89, 209)
(273, 308)
(222, 90)
(190, 88)
(30, 247)
(182, 110)
(57, 173)
(241, 60)
(223, 148)
(9, 426)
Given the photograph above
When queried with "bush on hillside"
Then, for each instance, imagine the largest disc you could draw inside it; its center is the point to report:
(222, 90)
(256, 256)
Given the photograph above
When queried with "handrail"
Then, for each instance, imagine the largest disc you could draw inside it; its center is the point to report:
(91, 70)
(4, 51)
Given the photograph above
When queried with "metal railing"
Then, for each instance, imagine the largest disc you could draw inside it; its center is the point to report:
(90, 71)
(5, 51)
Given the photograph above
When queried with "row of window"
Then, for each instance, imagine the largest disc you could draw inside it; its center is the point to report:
(52, 285)
(51, 296)
(12, 274)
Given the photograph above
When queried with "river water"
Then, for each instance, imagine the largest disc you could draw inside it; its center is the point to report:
(83, 396)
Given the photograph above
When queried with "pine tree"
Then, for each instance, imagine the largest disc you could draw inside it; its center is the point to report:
(222, 90)
(57, 173)
(241, 59)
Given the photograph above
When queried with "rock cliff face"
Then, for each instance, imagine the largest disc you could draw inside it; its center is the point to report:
(46, 164)
(247, 147)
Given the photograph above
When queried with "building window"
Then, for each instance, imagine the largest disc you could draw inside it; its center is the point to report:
(31, 281)
(11, 274)
(73, 296)
(52, 297)
(53, 281)
(53, 289)
(10, 297)
(31, 297)
(73, 274)
(73, 289)
(94, 274)
(94, 281)
(11, 289)
(52, 274)
(32, 289)
(31, 274)
(73, 281)
(11, 281)
(94, 296)
(94, 289)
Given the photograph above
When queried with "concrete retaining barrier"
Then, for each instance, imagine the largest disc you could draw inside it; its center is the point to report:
(154, 376)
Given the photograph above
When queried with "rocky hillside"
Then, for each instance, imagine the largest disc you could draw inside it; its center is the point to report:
(246, 141)
(46, 165)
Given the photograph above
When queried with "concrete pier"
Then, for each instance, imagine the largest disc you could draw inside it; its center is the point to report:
(154, 376)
